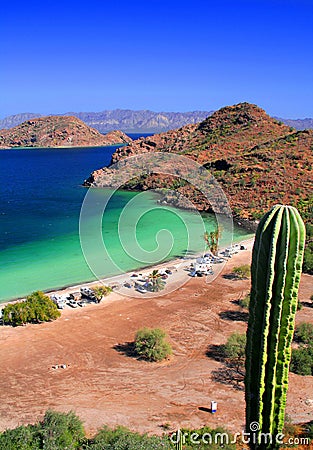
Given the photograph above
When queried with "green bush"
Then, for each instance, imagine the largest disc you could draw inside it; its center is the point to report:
(243, 271)
(61, 431)
(302, 357)
(244, 302)
(234, 349)
(64, 431)
(304, 333)
(37, 307)
(21, 438)
(302, 360)
(150, 344)
(123, 439)
(57, 431)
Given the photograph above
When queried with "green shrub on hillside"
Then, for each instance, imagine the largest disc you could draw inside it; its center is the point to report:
(150, 344)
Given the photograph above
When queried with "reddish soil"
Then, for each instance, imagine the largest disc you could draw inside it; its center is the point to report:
(105, 386)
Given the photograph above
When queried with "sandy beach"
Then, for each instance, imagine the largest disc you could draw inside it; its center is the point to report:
(104, 385)
(179, 276)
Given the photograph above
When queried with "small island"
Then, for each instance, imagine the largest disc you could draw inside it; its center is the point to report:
(58, 131)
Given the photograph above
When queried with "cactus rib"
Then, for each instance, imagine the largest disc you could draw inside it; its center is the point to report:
(275, 272)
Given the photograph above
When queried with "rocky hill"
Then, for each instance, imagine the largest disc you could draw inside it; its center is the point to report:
(256, 159)
(56, 131)
(143, 121)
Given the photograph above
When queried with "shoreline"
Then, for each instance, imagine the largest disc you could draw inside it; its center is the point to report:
(120, 279)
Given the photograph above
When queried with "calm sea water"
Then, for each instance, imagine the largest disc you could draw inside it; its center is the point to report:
(41, 196)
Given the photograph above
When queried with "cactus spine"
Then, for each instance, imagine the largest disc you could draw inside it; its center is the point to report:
(275, 273)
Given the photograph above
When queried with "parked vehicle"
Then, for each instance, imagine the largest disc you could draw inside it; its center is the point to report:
(140, 288)
(87, 293)
(72, 303)
(59, 300)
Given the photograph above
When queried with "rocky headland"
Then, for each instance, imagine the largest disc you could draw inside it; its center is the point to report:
(56, 131)
(257, 160)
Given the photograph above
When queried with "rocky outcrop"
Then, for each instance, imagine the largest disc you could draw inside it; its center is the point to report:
(54, 131)
(257, 160)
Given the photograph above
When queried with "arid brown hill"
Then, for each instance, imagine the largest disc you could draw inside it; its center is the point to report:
(55, 131)
(257, 160)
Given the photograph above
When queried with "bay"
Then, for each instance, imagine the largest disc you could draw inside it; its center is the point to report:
(41, 199)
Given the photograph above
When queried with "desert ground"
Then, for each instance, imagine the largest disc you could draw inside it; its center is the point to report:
(104, 385)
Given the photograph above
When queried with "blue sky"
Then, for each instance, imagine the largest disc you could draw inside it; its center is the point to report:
(159, 55)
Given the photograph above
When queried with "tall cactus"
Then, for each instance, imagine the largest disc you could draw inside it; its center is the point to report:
(276, 268)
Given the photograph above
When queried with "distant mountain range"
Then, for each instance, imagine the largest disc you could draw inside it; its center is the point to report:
(122, 119)
(143, 121)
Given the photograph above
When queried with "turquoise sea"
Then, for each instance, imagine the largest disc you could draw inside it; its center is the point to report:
(42, 195)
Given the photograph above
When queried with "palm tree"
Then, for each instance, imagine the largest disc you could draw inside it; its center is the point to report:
(157, 283)
(212, 238)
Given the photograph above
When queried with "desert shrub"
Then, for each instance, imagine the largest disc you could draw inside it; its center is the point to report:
(37, 307)
(244, 302)
(243, 271)
(61, 431)
(302, 360)
(57, 431)
(150, 344)
(21, 438)
(234, 349)
(304, 333)
(302, 357)
(123, 439)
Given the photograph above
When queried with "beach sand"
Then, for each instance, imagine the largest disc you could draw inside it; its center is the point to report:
(104, 385)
